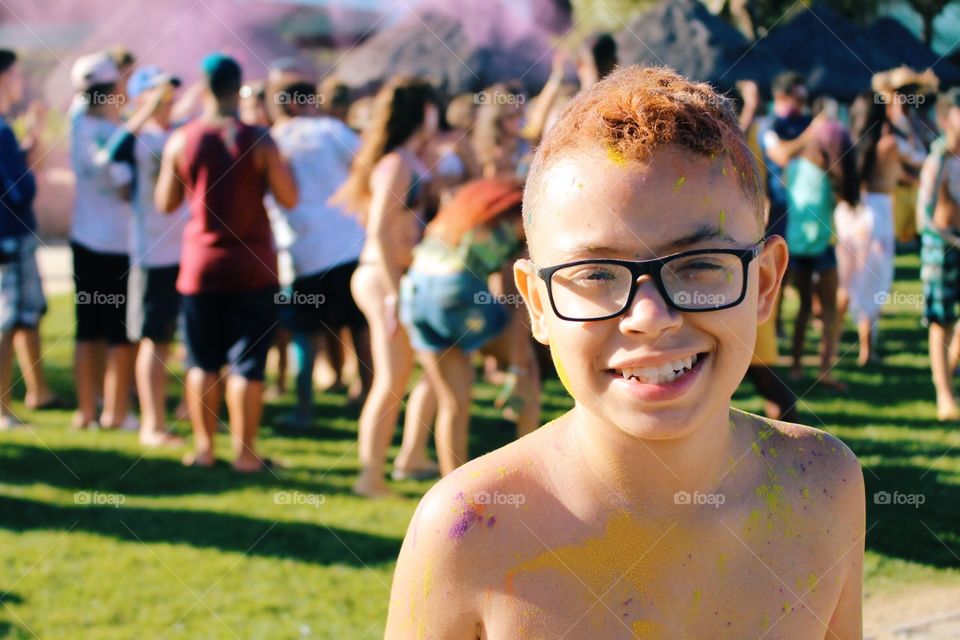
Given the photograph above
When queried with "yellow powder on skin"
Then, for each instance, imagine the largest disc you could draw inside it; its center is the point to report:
(646, 629)
(561, 371)
(722, 563)
(616, 157)
(679, 183)
(598, 563)
(723, 219)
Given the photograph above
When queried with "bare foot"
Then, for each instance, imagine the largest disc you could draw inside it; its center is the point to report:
(253, 464)
(425, 472)
(372, 489)
(832, 383)
(160, 439)
(10, 421)
(947, 410)
(78, 422)
(203, 460)
(49, 401)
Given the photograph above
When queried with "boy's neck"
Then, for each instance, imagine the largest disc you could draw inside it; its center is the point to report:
(645, 472)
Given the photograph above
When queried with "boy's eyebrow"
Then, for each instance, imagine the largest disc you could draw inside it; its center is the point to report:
(702, 233)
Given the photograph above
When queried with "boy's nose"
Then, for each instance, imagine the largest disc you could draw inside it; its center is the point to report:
(648, 312)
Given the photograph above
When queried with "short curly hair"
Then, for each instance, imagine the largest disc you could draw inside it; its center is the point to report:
(635, 111)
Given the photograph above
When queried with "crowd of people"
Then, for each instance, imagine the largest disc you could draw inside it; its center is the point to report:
(365, 235)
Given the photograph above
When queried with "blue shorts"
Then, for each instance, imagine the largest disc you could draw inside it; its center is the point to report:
(450, 310)
(822, 262)
(233, 329)
(21, 294)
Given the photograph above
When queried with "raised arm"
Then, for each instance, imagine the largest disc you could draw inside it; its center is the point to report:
(780, 151)
(169, 191)
(283, 186)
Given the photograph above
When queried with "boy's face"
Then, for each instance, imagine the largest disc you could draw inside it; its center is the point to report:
(591, 206)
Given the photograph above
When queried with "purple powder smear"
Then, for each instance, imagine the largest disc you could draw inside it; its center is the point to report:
(463, 524)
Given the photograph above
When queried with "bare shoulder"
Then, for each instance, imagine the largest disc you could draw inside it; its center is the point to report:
(811, 459)
(176, 142)
(461, 538)
(470, 498)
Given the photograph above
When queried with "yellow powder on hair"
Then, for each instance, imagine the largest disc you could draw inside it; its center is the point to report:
(616, 157)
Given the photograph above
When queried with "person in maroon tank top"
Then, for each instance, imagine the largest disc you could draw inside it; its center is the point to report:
(228, 270)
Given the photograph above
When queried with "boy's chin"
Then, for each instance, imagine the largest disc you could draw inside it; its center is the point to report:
(665, 424)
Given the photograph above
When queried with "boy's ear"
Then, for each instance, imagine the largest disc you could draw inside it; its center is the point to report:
(773, 264)
(524, 274)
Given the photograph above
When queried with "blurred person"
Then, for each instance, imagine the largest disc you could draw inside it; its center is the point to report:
(865, 247)
(821, 173)
(335, 98)
(449, 311)
(153, 304)
(497, 141)
(228, 267)
(898, 90)
(125, 62)
(323, 241)
(779, 142)
(938, 209)
(99, 238)
(22, 303)
(778, 133)
(359, 113)
(253, 105)
(780, 402)
(387, 186)
(598, 58)
(450, 152)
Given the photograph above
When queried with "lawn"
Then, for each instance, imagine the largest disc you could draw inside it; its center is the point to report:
(99, 540)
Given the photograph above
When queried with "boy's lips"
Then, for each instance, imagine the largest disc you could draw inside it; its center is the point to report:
(661, 379)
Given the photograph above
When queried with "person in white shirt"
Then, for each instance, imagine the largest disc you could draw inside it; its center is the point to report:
(323, 242)
(153, 303)
(99, 237)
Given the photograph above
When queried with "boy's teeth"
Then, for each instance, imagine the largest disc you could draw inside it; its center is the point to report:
(663, 374)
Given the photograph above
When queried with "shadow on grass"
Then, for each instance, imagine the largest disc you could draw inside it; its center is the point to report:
(115, 472)
(312, 543)
(913, 516)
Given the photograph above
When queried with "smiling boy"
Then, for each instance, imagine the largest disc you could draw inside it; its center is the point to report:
(651, 509)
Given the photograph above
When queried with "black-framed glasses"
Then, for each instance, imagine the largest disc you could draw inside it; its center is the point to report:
(690, 281)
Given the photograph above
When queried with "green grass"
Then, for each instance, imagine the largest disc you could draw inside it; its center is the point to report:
(191, 553)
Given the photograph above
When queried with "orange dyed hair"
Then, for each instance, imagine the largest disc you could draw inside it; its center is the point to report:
(635, 111)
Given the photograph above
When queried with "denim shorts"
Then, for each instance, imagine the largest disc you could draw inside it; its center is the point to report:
(449, 310)
(22, 302)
